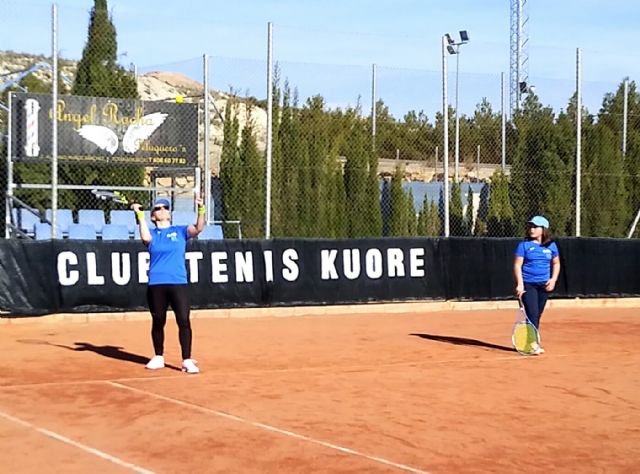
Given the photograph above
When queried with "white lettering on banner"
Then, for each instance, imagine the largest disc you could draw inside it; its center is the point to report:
(416, 257)
(219, 269)
(268, 266)
(291, 270)
(395, 262)
(192, 259)
(67, 277)
(373, 263)
(356, 263)
(92, 269)
(328, 264)
(351, 263)
(143, 267)
(121, 268)
(244, 267)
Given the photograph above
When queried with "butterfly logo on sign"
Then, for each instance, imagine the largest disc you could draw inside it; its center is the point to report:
(106, 139)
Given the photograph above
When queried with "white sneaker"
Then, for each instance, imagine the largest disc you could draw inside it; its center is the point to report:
(189, 366)
(157, 362)
(536, 349)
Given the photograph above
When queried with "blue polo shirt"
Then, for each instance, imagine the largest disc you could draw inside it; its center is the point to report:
(167, 249)
(536, 267)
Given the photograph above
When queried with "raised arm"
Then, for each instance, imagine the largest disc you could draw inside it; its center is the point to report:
(194, 230)
(145, 235)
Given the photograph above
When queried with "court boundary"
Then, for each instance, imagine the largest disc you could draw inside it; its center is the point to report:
(269, 428)
(400, 307)
(83, 447)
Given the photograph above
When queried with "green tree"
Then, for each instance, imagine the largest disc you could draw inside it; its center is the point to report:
(99, 75)
(398, 223)
(456, 222)
(606, 197)
(231, 171)
(98, 71)
(356, 177)
(500, 221)
(253, 189)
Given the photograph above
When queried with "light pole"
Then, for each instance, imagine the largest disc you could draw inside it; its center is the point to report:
(454, 48)
(445, 139)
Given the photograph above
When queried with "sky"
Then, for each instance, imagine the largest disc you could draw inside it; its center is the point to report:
(329, 47)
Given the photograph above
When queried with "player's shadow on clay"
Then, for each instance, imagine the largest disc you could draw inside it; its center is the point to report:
(112, 352)
(463, 341)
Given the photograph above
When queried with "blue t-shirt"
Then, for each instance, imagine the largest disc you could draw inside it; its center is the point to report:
(167, 249)
(536, 267)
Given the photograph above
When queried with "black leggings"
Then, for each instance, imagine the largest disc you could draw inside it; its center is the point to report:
(159, 298)
(534, 299)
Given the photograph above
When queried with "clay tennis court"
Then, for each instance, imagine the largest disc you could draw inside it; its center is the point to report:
(428, 391)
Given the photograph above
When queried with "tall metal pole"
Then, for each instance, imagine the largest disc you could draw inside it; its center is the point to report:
(625, 116)
(457, 161)
(8, 202)
(267, 224)
(504, 124)
(373, 108)
(54, 121)
(207, 139)
(578, 139)
(445, 145)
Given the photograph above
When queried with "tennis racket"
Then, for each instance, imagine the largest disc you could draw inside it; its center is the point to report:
(112, 196)
(525, 337)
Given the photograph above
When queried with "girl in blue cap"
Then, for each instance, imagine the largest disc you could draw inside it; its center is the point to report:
(536, 268)
(168, 277)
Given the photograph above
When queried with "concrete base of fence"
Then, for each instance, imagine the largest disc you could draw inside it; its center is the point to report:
(364, 308)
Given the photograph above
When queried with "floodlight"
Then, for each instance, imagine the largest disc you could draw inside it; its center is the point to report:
(449, 38)
(451, 49)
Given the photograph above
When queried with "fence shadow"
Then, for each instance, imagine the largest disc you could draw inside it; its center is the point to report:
(463, 341)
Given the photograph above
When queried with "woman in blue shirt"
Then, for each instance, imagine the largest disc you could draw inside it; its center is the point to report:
(536, 268)
(168, 277)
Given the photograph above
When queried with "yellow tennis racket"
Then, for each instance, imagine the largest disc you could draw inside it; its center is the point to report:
(525, 337)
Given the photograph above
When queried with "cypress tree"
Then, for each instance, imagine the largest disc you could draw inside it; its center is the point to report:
(231, 171)
(356, 175)
(99, 75)
(98, 72)
(500, 222)
(398, 224)
(455, 211)
(605, 197)
(253, 189)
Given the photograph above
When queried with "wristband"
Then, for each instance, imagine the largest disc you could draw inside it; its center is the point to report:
(202, 210)
(139, 215)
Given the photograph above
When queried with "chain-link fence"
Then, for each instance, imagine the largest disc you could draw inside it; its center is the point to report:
(356, 151)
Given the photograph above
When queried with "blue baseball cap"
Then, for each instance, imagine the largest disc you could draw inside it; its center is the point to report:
(539, 221)
(162, 202)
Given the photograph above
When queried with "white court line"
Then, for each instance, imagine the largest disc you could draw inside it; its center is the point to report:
(333, 368)
(274, 429)
(81, 446)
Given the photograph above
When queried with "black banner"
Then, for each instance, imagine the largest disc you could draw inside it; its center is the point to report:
(73, 276)
(105, 130)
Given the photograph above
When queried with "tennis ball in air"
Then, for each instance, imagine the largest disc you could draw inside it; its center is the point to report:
(179, 99)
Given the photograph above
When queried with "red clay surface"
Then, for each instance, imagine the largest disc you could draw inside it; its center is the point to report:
(435, 392)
